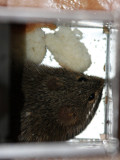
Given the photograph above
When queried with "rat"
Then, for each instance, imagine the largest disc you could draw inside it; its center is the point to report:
(58, 103)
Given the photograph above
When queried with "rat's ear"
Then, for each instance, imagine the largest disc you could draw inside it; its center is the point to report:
(54, 83)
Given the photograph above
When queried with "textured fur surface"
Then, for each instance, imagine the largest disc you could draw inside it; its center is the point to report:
(58, 105)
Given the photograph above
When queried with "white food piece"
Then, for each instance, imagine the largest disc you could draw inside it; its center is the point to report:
(67, 49)
(30, 45)
(35, 46)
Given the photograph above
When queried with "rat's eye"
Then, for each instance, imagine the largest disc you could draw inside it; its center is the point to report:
(82, 79)
(92, 96)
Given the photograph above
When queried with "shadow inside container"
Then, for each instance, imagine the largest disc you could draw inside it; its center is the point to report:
(16, 96)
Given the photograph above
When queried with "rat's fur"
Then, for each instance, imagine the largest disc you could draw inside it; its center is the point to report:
(59, 104)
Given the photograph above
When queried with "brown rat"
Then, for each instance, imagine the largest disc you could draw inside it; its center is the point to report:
(59, 104)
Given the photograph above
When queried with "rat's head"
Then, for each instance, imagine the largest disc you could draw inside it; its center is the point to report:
(72, 96)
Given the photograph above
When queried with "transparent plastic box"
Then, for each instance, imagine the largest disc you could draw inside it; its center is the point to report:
(100, 30)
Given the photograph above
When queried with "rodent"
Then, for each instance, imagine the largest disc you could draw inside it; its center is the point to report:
(58, 104)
